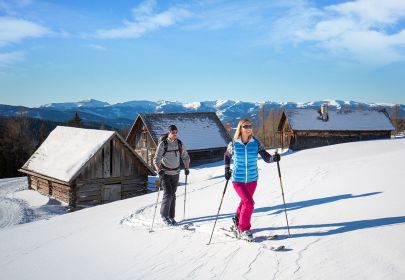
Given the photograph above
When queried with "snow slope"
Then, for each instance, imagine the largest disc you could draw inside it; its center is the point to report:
(345, 209)
(19, 205)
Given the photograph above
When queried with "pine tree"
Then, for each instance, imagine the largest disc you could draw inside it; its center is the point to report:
(76, 121)
(42, 133)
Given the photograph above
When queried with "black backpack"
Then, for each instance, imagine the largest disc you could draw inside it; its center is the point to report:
(163, 138)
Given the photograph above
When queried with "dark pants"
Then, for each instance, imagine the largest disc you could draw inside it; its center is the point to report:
(169, 186)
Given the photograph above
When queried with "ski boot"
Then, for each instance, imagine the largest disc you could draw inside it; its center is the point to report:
(173, 222)
(246, 235)
(235, 227)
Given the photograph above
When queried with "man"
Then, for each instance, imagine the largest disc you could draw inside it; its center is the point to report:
(169, 154)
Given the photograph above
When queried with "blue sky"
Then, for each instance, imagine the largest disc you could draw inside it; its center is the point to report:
(197, 50)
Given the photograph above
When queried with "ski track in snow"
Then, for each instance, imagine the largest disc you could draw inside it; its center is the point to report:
(138, 218)
(12, 210)
(301, 254)
(259, 253)
(277, 268)
(228, 259)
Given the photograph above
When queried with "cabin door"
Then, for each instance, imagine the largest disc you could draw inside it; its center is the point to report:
(111, 193)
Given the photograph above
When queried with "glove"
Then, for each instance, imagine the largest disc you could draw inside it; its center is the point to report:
(161, 173)
(228, 173)
(276, 157)
(186, 171)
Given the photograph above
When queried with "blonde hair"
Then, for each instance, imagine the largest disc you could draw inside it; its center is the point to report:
(239, 128)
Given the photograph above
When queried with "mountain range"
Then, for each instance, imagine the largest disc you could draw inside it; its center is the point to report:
(123, 114)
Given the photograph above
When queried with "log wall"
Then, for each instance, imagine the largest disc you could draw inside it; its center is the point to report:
(89, 192)
(52, 189)
(311, 139)
(199, 157)
(142, 142)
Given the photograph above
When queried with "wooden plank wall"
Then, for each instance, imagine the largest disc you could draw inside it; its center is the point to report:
(313, 139)
(88, 192)
(145, 147)
(113, 164)
(51, 189)
(62, 192)
(40, 185)
(206, 156)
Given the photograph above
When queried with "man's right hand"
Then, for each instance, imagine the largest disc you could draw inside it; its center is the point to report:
(228, 173)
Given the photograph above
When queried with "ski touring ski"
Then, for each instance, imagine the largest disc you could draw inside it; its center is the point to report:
(188, 226)
(277, 248)
(230, 232)
(257, 238)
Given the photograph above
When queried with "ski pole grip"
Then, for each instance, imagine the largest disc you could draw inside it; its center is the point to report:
(278, 166)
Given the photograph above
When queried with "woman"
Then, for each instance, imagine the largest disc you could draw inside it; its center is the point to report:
(244, 149)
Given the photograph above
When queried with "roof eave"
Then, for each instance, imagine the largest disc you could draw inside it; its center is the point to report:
(33, 173)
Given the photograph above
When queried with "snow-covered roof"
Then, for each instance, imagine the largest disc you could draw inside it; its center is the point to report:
(196, 130)
(67, 150)
(356, 120)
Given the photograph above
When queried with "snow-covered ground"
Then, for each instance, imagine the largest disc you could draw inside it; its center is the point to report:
(345, 207)
(19, 205)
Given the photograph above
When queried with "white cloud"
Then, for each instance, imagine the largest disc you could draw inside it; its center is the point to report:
(96, 47)
(372, 11)
(13, 30)
(11, 57)
(363, 30)
(145, 20)
(214, 15)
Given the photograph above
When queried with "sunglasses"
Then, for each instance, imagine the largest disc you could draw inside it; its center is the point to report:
(247, 126)
(173, 132)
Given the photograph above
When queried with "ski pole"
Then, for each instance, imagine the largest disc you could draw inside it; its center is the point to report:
(282, 192)
(153, 220)
(223, 194)
(185, 194)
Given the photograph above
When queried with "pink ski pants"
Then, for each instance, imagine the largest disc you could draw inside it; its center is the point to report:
(246, 205)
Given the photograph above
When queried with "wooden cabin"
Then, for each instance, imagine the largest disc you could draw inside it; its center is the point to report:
(309, 128)
(86, 167)
(202, 134)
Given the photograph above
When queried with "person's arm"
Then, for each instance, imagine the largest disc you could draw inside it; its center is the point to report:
(264, 154)
(227, 161)
(228, 155)
(185, 157)
(157, 159)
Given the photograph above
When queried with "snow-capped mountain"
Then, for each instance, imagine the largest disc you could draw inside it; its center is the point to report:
(121, 114)
(91, 103)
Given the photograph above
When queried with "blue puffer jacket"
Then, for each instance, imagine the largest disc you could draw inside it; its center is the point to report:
(245, 161)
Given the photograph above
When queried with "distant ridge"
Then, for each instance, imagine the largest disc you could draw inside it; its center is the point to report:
(123, 114)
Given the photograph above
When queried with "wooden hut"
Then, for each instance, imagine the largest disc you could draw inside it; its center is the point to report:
(308, 128)
(202, 134)
(85, 167)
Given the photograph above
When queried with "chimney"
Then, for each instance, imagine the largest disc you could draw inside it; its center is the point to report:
(324, 112)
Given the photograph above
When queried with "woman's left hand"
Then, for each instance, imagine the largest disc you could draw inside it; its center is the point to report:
(276, 157)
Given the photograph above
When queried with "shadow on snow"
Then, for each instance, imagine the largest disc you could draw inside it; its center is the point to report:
(336, 227)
